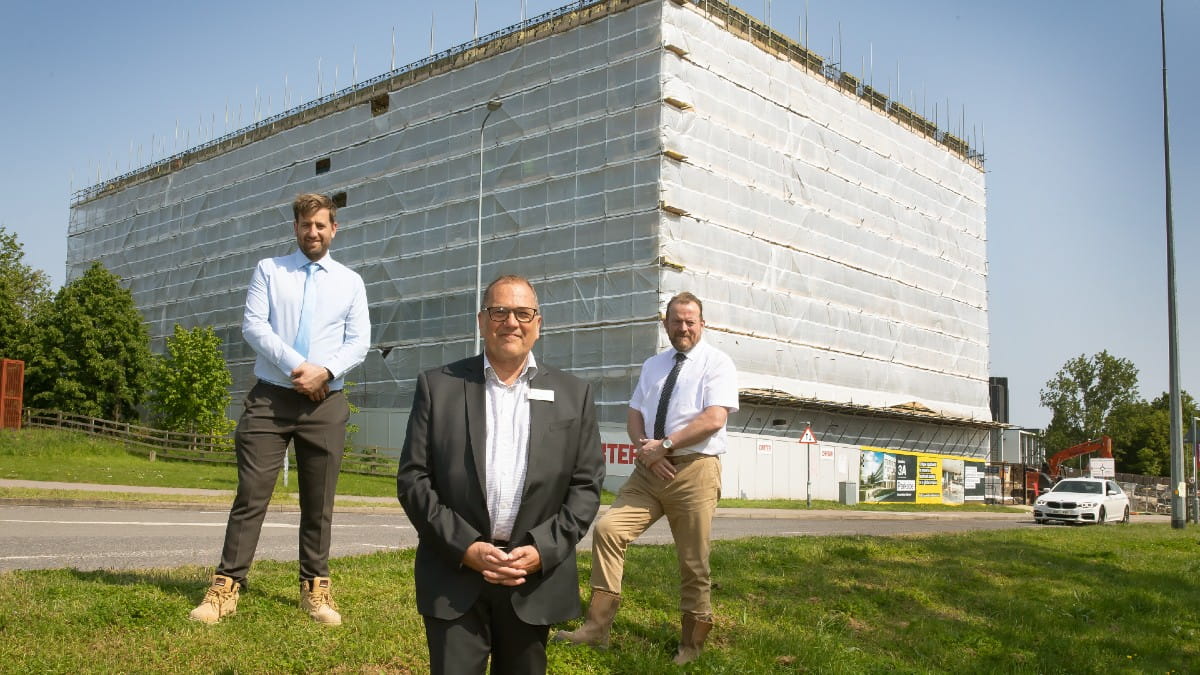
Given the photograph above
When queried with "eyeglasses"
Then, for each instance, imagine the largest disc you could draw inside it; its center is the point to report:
(523, 314)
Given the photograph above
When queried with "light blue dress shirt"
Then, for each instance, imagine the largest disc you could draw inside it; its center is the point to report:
(340, 331)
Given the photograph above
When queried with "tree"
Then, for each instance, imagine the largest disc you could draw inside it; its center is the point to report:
(93, 356)
(1141, 433)
(24, 292)
(1083, 395)
(192, 383)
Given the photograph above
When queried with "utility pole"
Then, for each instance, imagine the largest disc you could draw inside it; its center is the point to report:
(1178, 483)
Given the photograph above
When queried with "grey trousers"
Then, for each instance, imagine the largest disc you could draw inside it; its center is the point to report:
(272, 417)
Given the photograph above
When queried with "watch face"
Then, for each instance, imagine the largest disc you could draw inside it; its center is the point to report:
(667, 443)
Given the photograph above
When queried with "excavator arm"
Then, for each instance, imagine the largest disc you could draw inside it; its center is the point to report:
(1103, 445)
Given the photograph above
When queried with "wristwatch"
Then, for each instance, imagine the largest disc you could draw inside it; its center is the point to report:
(667, 444)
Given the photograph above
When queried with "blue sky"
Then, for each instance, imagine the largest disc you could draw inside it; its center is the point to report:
(1063, 96)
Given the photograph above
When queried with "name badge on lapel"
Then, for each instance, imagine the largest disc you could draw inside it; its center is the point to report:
(541, 394)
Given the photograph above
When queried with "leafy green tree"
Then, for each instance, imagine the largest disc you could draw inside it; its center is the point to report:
(1082, 396)
(94, 351)
(24, 293)
(1141, 433)
(192, 383)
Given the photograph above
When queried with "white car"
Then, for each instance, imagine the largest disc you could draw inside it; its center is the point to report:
(1082, 500)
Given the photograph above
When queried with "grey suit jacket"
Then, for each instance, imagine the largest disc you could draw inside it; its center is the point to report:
(442, 486)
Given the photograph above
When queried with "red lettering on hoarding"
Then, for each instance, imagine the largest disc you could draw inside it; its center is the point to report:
(619, 453)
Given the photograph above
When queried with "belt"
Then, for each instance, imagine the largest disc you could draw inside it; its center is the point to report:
(280, 386)
(684, 459)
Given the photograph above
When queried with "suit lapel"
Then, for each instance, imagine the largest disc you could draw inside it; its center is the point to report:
(540, 415)
(539, 418)
(477, 422)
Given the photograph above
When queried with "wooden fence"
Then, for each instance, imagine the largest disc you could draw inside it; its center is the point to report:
(192, 447)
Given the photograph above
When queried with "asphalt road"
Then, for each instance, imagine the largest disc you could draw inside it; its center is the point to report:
(45, 537)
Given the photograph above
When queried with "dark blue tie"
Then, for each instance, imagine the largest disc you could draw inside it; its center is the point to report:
(664, 399)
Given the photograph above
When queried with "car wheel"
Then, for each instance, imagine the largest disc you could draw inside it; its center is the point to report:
(1125, 518)
(1100, 519)
(1039, 521)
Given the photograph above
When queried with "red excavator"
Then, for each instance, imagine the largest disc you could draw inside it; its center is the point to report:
(1103, 445)
(1038, 482)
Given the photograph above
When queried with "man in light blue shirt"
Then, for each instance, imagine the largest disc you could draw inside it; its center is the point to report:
(306, 319)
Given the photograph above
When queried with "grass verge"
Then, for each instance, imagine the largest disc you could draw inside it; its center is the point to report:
(1050, 600)
(73, 457)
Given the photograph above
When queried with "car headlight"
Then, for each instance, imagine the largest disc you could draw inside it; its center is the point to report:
(1087, 505)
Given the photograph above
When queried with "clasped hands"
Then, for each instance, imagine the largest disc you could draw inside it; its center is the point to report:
(652, 455)
(506, 568)
(311, 381)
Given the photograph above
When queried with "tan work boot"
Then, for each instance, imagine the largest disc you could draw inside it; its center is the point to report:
(600, 615)
(316, 599)
(220, 600)
(691, 641)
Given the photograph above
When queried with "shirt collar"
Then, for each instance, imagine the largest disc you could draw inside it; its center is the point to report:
(301, 260)
(528, 372)
(692, 353)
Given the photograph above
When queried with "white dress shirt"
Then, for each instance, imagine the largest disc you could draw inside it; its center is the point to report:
(707, 378)
(340, 330)
(507, 445)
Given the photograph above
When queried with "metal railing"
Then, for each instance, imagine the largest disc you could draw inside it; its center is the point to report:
(733, 16)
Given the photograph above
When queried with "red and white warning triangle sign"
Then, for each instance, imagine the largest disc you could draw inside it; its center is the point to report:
(808, 437)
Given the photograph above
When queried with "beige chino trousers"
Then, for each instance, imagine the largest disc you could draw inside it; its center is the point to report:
(688, 501)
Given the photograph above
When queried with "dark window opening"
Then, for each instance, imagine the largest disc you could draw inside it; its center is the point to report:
(380, 103)
(339, 200)
(322, 166)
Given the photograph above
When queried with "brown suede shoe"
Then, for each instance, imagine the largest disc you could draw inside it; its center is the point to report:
(220, 600)
(594, 631)
(317, 599)
(691, 640)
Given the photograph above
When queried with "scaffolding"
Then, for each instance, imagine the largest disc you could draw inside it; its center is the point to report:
(640, 148)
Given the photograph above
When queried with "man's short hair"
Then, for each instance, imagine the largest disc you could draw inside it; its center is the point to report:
(310, 202)
(508, 279)
(686, 297)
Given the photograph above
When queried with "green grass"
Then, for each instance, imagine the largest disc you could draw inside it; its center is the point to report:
(1046, 600)
(43, 496)
(53, 455)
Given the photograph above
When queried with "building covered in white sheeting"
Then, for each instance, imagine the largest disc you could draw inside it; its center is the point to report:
(640, 148)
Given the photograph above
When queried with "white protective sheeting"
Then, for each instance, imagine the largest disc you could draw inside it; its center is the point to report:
(570, 194)
(840, 255)
(844, 254)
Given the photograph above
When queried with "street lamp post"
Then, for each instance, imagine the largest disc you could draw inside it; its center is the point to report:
(492, 106)
(1178, 482)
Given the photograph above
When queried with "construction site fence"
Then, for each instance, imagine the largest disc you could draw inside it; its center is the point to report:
(1006, 483)
(192, 447)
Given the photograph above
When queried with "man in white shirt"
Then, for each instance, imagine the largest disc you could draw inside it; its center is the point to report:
(306, 319)
(685, 395)
(500, 475)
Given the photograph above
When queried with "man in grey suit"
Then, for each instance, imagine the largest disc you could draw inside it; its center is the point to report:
(500, 475)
